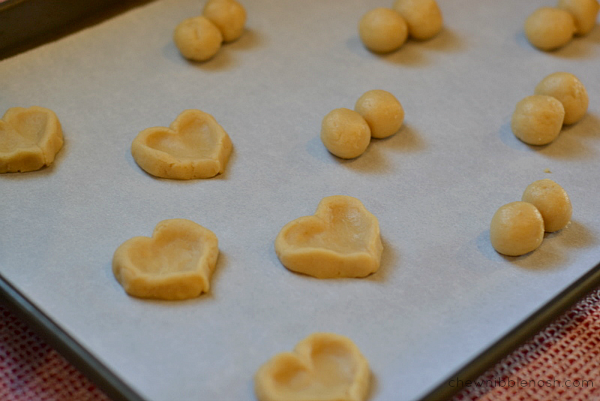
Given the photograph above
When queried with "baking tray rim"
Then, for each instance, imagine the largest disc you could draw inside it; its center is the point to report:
(117, 389)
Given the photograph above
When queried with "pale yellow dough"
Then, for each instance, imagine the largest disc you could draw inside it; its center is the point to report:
(382, 111)
(584, 12)
(197, 38)
(537, 119)
(341, 239)
(517, 228)
(423, 17)
(568, 90)
(228, 15)
(549, 28)
(195, 146)
(552, 201)
(29, 139)
(382, 30)
(176, 263)
(322, 367)
(345, 133)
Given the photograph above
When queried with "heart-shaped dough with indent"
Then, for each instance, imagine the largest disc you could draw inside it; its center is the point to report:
(323, 367)
(341, 239)
(194, 146)
(29, 139)
(176, 263)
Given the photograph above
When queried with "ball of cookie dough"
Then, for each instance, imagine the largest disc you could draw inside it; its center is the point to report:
(345, 133)
(382, 30)
(423, 17)
(552, 201)
(517, 228)
(228, 15)
(197, 38)
(549, 28)
(537, 119)
(568, 90)
(382, 111)
(584, 12)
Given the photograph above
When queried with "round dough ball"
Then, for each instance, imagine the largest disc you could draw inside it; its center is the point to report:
(569, 91)
(228, 15)
(549, 28)
(382, 30)
(345, 133)
(382, 111)
(584, 12)
(552, 201)
(197, 38)
(517, 228)
(537, 119)
(423, 17)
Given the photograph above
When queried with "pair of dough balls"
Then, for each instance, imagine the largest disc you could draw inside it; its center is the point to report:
(560, 98)
(347, 133)
(383, 30)
(549, 28)
(200, 38)
(518, 228)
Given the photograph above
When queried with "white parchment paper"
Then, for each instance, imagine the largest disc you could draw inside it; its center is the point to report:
(442, 294)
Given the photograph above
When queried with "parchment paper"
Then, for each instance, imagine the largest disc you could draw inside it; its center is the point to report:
(442, 294)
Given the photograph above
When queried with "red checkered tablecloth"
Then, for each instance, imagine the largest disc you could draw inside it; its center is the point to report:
(562, 362)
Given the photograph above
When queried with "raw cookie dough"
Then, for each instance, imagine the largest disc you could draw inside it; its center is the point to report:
(29, 139)
(195, 146)
(340, 240)
(537, 119)
(197, 38)
(584, 12)
(382, 111)
(569, 91)
(517, 228)
(549, 28)
(552, 201)
(345, 133)
(228, 15)
(176, 263)
(423, 17)
(382, 30)
(323, 367)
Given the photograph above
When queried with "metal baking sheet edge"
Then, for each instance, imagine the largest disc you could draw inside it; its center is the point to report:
(70, 349)
(117, 390)
(29, 23)
(519, 335)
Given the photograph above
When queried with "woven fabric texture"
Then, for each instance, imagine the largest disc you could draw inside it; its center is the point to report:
(562, 362)
(30, 370)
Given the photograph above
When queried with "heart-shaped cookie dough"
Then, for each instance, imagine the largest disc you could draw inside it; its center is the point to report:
(176, 263)
(195, 146)
(341, 240)
(323, 367)
(29, 139)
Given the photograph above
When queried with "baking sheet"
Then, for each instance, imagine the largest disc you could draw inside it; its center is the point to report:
(442, 294)
(28, 23)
